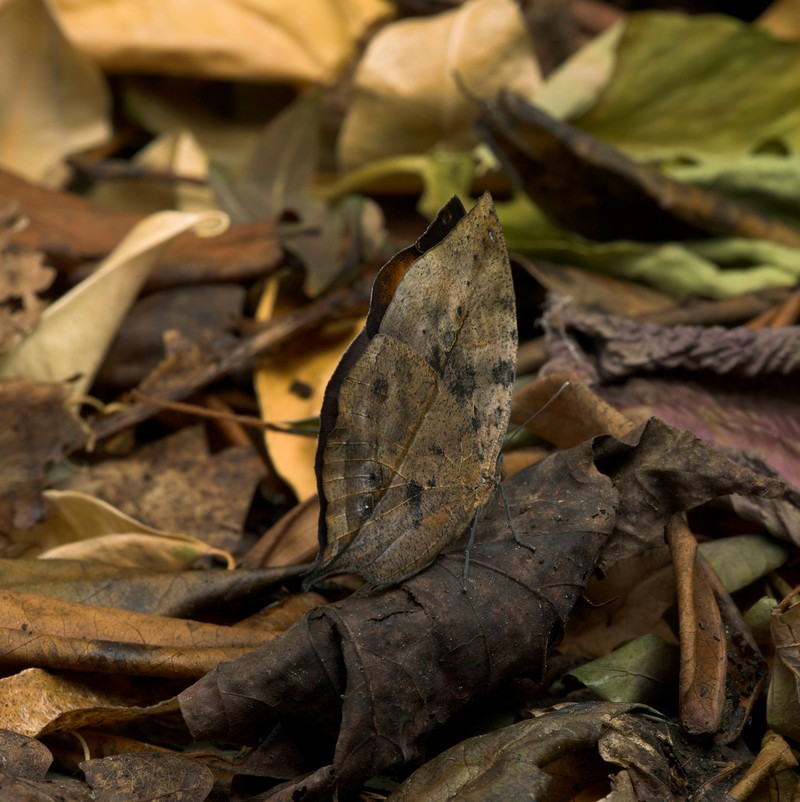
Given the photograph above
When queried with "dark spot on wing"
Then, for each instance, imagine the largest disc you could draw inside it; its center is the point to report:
(464, 382)
(437, 450)
(503, 373)
(380, 389)
(414, 496)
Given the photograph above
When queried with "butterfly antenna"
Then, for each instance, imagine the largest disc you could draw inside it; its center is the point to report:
(544, 407)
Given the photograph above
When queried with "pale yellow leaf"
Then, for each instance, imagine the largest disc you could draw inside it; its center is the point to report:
(82, 527)
(53, 101)
(73, 334)
(407, 98)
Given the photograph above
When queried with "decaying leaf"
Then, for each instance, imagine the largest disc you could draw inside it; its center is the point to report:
(414, 417)
(176, 485)
(140, 777)
(22, 277)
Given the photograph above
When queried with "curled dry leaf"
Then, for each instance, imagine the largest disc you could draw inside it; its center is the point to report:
(75, 332)
(513, 762)
(414, 417)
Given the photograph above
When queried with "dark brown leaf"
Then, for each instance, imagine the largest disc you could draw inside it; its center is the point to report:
(21, 756)
(404, 660)
(587, 186)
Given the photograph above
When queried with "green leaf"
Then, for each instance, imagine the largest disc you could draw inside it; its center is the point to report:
(641, 670)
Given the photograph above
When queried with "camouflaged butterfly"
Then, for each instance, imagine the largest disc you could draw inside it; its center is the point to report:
(413, 420)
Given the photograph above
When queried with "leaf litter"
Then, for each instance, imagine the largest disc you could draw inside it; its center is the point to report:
(647, 518)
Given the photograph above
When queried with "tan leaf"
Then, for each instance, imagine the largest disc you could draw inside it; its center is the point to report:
(53, 100)
(407, 98)
(268, 41)
(290, 386)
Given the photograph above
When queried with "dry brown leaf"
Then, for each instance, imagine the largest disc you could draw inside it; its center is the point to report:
(176, 485)
(34, 701)
(293, 539)
(144, 777)
(702, 639)
(414, 417)
(270, 41)
(22, 277)
(407, 99)
(50, 633)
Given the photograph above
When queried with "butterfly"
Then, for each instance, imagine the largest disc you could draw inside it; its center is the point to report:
(414, 417)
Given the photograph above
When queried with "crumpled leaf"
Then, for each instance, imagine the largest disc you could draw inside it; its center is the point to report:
(53, 100)
(457, 645)
(729, 386)
(74, 332)
(22, 277)
(270, 41)
(656, 762)
(746, 76)
(406, 96)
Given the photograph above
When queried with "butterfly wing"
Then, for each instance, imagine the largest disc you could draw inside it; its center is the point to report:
(415, 415)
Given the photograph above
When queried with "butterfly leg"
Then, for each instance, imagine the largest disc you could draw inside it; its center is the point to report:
(473, 530)
(510, 523)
